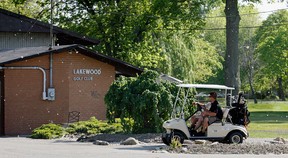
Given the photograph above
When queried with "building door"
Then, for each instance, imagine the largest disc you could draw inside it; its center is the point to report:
(1, 102)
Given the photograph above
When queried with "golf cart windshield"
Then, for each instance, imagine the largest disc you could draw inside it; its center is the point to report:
(186, 90)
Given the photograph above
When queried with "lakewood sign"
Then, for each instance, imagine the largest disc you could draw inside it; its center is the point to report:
(87, 71)
(85, 74)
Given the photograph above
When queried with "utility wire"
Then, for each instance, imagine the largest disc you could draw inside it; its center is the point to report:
(246, 14)
(208, 17)
(223, 28)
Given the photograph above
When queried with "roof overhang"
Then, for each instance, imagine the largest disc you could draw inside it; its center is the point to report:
(205, 86)
(19, 54)
(16, 23)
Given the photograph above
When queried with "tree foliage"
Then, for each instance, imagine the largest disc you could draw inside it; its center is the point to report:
(144, 99)
(130, 30)
(190, 59)
(273, 49)
(272, 44)
(30, 8)
(216, 19)
(142, 34)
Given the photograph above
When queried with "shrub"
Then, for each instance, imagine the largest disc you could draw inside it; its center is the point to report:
(91, 126)
(47, 131)
(142, 103)
(94, 126)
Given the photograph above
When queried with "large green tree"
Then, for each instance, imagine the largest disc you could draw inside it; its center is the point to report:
(273, 49)
(231, 66)
(215, 34)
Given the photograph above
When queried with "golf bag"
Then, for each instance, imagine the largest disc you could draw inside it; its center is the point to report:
(239, 112)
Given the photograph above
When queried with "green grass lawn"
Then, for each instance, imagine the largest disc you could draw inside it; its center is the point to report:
(268, 120)
(268, 106)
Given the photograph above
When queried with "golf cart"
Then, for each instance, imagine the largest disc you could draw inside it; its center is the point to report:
(231, 129)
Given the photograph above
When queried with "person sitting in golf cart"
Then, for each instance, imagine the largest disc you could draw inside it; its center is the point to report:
(209, 115)
(197, 118)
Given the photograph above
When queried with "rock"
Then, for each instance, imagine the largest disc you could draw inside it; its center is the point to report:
(279, 139)
(159, 151)
(130, 141)
(184, 150)
(157, 148)
(82, 138)
(214, 143)
(276, 142)
(208, 143)
(188, 142)
(100, 142)
(200, 141)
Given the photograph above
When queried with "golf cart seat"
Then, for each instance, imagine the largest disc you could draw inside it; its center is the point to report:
(225, 112)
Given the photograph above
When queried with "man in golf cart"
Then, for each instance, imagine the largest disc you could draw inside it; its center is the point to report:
(211, 112)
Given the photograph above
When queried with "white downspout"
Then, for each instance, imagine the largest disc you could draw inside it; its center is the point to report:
(44, 94)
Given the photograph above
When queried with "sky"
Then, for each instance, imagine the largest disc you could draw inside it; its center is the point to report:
(265, 6)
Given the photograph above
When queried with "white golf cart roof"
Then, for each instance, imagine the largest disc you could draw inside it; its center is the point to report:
(207, 86)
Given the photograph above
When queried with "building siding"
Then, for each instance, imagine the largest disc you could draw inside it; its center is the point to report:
(10, 40)
(24, 107)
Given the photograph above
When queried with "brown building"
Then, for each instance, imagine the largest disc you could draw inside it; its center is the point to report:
(40, 85)
(80, 79)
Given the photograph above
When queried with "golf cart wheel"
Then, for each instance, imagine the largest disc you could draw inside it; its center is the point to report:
(236, 138)
(178, 136)
(166, 140)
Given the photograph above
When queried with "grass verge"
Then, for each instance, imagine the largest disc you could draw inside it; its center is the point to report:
(268, 120)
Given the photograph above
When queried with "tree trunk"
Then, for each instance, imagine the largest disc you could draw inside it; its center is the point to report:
(280, 89)
(252, 90)
(250, 78)
(231, 67)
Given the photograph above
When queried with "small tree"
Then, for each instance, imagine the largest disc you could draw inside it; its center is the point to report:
(144, 99)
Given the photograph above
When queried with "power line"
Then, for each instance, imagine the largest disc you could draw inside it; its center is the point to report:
(156, 16)
(223, 28)
(246, 14)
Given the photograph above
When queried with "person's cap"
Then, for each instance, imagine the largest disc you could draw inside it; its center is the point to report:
(213, 95)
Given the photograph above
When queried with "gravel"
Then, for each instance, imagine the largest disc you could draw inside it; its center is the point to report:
(115, 138)
(250, 146)
(233, 149)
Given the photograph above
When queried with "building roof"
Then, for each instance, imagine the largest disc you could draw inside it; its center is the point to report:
(170, 79)
(18, 54)
(205, 86)
(12, 22)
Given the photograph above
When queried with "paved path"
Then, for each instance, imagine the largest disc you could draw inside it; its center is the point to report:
(30, 148)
